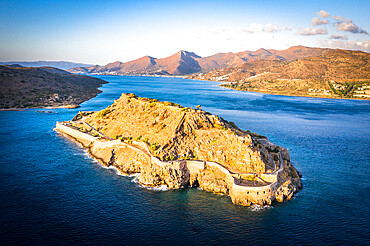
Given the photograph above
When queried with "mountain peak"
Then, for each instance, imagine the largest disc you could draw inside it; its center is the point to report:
(187, 53)
(262, 51)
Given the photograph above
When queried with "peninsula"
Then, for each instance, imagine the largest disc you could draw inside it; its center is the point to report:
(176, 146)
(31, 87)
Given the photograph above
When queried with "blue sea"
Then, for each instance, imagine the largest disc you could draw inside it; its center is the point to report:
(53, 193)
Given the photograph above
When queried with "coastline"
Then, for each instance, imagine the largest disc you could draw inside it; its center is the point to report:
(274, 190)
(221, 84)
(47, 107)
(288, 95)
(67, 106)
(249, 181)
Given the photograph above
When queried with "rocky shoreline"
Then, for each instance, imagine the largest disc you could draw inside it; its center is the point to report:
(269, 176)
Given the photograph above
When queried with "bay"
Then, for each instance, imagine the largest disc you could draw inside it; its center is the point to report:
(52, 192)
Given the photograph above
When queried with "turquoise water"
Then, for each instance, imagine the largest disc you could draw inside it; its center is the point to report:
(52, 192)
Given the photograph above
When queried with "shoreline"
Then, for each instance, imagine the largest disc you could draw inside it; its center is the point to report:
(263, 92)
(276, 180)
(47, 107)
(278, 94)
(238, 193)
(68, 106)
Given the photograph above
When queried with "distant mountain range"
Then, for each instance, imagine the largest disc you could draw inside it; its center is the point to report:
(184, 62)
(57, 64)
(298, 70)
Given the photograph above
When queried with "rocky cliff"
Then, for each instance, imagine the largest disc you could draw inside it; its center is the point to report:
(177, 146)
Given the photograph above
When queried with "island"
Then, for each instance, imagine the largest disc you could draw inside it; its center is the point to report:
(44, 87)
(168, 144)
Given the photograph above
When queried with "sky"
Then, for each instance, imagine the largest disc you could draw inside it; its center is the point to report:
(99, 32)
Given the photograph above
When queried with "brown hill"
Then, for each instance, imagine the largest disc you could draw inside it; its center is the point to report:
(22, 87)
(184, 62)
(334, 73)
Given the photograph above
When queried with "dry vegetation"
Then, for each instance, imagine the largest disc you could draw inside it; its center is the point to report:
(335, 74)
(173, 132)
(24, 87)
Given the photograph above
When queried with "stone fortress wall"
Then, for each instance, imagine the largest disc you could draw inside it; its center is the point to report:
(239, 193)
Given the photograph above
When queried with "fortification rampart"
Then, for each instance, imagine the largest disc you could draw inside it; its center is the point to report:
(240, 193)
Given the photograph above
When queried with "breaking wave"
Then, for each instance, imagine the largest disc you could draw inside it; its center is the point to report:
(156, 188)
(256, 208)
(116, 171)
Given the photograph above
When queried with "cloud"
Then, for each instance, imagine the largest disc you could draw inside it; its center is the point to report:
(337, 36)
(308, 31)
(338, 18)
(348, 45)
(270, 28)
(323, 14)
(349, 26)
(317, 21)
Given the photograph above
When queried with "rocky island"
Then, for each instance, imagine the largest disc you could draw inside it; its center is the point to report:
(176, 146)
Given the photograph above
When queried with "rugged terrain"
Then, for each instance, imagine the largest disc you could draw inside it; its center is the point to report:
(334, 74)
(297, 71)
(25, 87)
(184, 62)
(56, 64)
(176, 146)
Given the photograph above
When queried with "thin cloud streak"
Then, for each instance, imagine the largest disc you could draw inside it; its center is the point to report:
(309, 31)
(317, 21)
(337, 36)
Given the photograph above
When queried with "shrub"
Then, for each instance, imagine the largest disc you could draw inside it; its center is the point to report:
(145, 140)
(170, 104)
(103, 112)
(154, 146)
(233, 124)
(138, 138)
(219, 127)
(152, 104)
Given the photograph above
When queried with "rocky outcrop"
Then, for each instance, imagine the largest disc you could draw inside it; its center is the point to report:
(243, 165)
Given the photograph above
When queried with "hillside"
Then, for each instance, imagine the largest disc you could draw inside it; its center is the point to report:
(56, 64)
(24, 87)
(334, 74)
(176, 146)
(183, 62)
